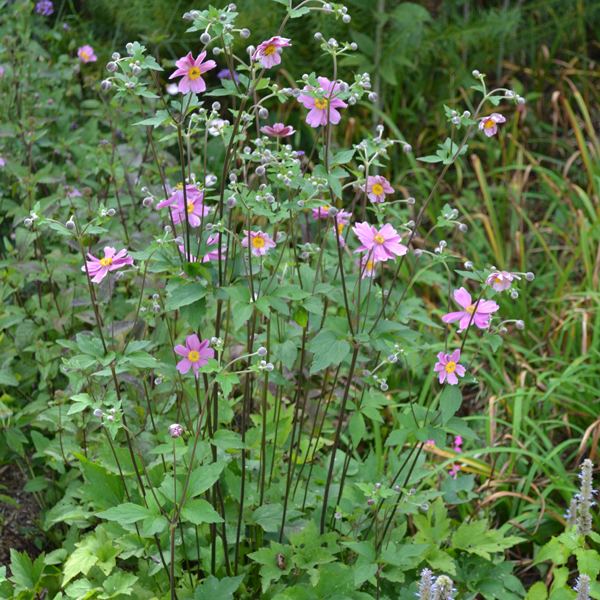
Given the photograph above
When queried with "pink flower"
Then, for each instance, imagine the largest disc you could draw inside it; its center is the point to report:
(458, 441)
(322, 103)
(2, 161)
(453, 472)
(260, 242)
(501, 280)
(212, 240)
(381, 244)
(195, 352)
(489, 125)
(448, 367)
(86, 54)
(72, 192)
(2, 71)
(342, 218)
(480, 312)
(278, 130)
(377, 188)
(196, 210)
(430, 443)
(98, 268)
(269, 51)
(192, 69)
(368, 267)
(321, 213)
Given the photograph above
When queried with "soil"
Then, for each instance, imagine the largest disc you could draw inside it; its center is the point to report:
(18, 520)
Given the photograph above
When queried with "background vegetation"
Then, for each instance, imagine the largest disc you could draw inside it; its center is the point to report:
(532, 203)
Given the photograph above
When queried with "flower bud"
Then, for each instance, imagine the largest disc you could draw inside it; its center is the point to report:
(147, 201)
(105, 85)
(111, 212)
(262, 351)
(529, 276)
(407, 148)
(476, 73)
(28, 222)
(98, 412)
(175, 430)
(263, 113)
(346, 18)
(205, 38)
(245, 33)
(136, 70)
(111, 67)
(70, 224)
(216, 106)
(520, 324)
(129, 48)
(260, 170)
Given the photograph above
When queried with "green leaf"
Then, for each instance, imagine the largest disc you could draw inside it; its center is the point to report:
(450, 401)
(476, 538)
(204, 477)
(218, 589)
(327, 350)
(26, 573)
(126, 513)
(275, 561)
(199, 511)
(185, 294)
(357, 428)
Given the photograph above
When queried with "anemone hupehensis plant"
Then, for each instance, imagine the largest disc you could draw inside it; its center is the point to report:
(287, 302)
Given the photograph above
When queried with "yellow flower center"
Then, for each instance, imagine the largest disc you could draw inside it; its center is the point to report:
(270, 49)
(321, 103)
(377, 189)
(85, 55)
(106, 261)
(450, 367)
(489, 124)
(193, 356)
(470, 309)
(340, 227)
(258, 242)
(190, 207)
(498, 278)
(194, 73)
(369, 266)
(179, 186)
(379, 239)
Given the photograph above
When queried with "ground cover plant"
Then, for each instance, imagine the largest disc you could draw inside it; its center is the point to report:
(275, 325)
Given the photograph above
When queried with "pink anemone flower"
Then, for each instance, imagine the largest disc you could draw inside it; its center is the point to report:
(322, 212)
(448, 367)
(381, 244)
(278, 130)
(489, 125)
(195, 354)
(501, 280)
(192, 69)
(322, 103)
(269, 51)
(480, 312)
(212, 254)
(368, 267)
(196, 210)
(377, 188)
(260, 242)
(86, 54)
(98, 268)
(341, 219)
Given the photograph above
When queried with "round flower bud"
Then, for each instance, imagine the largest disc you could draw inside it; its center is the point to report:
(216, 106)
(520, 324)
(378, 486)
(370, 501)
(529, 276)
(346, 18)
(205, 37)
(105, 85)
(383, 386)
(262, 351)
(147, 201)
(466, 114)
(110, 418)
(352, 100)
(410, 200)
(175, 430)
(129, 48)
(28, 222)
(514, 294)
(98, 412)
(263, 113)
(407, 148)
(167, 229)
(354, 46)
(260, 170)
(111, 212)
(521, 100)
(372, 97)
(70, 224)
(269, 367)
(115, 56)
(463, 228)
(136, 70)
(418, 252)
(250, 50)
(318, 36)
(111, 67)
(502, 330)
(456, 120)
(476, 73)
(337, 516)
(397, 488)
(468, 264)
